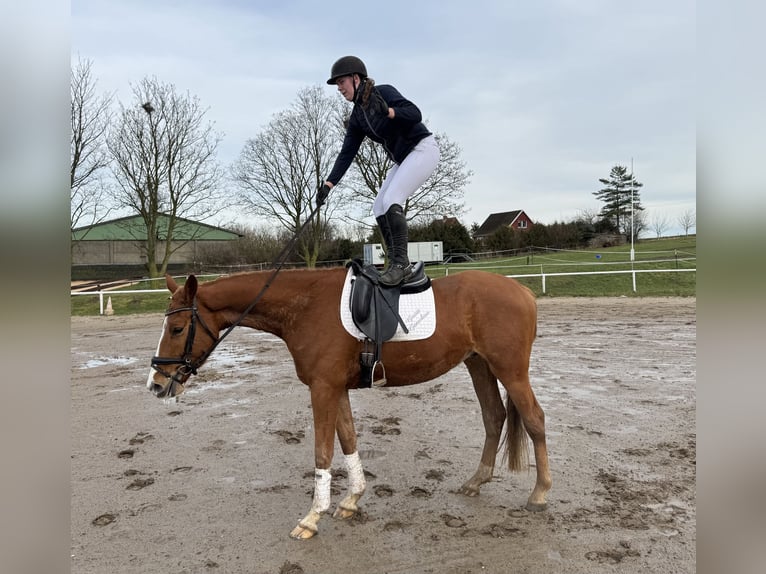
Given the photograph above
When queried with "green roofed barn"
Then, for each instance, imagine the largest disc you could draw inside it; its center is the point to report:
(117, 248)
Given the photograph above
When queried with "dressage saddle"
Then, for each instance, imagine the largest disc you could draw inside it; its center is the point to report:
(375, 312)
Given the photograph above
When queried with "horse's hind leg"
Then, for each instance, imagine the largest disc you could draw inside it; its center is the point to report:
(493, 416)
(522, 402)
(356, 481)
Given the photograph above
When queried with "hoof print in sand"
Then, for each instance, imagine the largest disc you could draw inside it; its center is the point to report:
(453, 521)
(290, 437)
(418, 492)
(609, 556)
(104, 519)
(291, 568)
(383, 490)
(140, 438)
(435, 474)
(385, 430)
(140, 483)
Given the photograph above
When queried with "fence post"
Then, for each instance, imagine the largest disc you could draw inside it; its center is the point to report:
(100, 302)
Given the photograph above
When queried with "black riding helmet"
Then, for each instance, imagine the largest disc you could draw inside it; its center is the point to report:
(346, 66)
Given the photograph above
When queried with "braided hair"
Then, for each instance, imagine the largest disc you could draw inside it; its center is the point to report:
(363, 95)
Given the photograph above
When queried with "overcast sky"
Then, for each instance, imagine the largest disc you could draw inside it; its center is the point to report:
(544, 98)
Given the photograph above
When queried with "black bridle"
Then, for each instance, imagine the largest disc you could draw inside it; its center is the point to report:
(188, 364)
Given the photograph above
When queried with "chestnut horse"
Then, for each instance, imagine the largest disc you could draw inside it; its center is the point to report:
(484, 320)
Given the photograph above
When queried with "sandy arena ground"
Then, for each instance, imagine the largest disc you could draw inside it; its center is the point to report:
(215, 482)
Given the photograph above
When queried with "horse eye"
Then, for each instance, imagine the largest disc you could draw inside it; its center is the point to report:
(176, 331)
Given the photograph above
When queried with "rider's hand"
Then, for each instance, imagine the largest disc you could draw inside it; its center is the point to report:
(377, 104)
(322, 194)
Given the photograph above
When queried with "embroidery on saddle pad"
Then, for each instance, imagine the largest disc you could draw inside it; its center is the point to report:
(417, 311)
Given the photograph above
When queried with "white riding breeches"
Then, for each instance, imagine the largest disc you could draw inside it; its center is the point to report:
(404, 179)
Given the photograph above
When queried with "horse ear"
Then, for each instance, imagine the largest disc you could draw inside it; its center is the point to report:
(190, 287)
(170, 282)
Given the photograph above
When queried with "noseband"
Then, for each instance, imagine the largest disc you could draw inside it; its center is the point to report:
(188, 365)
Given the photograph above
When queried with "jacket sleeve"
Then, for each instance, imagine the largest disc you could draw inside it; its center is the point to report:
(351, 144)
(404, 110)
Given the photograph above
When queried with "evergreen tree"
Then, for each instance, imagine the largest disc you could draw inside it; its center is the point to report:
(616, 195)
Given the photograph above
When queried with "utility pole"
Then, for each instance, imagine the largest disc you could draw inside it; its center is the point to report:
(632, 187)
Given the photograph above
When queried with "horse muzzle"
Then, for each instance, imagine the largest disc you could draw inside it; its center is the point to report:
(165, 384)
(170, 387)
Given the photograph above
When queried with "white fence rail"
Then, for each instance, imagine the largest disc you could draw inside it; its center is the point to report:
(543, 274)
(631, 271)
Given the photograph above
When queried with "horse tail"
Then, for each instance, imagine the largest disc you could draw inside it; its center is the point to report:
(515, 439)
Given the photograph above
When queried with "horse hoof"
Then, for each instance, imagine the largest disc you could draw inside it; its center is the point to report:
(468, 491)
(301, 533)
(537, 506)
(343, 513)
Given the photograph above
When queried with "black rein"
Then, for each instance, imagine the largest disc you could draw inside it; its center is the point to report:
(189, 365)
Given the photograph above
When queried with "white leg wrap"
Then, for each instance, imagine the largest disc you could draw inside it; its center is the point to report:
(322, 480)
(356, 481)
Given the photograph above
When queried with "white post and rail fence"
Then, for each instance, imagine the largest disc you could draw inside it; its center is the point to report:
(543, 275)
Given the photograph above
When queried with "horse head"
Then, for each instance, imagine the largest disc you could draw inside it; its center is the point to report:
(188, 337)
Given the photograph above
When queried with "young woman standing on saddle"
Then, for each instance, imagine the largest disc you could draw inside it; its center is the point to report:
(382, 114)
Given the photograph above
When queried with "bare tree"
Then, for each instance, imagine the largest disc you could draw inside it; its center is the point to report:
(659, 224)
(165, 166)
(687, 220)
(588, 216)
(441, 195)
(280, 170)
(91, 115)
(640, 224)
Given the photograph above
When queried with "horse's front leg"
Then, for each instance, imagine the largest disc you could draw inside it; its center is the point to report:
(324, 404)
(356, 482)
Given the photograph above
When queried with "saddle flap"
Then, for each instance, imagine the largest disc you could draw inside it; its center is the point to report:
(361, 300)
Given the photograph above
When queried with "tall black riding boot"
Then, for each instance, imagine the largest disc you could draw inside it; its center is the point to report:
(399, 263)
(385, 232)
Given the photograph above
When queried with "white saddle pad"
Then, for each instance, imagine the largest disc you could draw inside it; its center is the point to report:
(417, 310)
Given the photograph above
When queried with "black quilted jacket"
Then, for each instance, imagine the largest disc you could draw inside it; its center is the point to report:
(398, 136)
